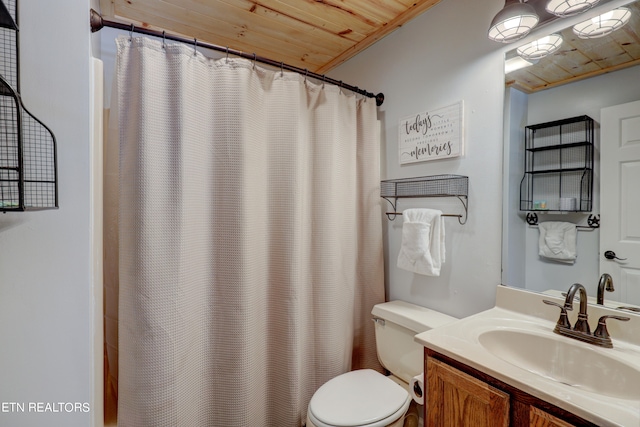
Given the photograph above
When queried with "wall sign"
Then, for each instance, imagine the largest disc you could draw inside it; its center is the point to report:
(432, 135)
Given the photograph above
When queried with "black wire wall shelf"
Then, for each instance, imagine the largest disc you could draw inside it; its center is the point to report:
(558, 169)
(28, 163)
(427, 186)
(6, 20)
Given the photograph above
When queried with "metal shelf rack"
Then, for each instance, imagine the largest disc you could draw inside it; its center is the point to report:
(28, 164)
(426, 186)
(558, 170)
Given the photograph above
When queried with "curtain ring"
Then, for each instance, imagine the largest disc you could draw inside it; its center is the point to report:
(306, 72)
(254, 60)
(195, 46)
(227, 60)
(163, 40)
(323, 78)
(281, 69)
(131, 33)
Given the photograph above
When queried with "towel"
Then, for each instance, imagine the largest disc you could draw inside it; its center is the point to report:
(558, 241)
(422, 249)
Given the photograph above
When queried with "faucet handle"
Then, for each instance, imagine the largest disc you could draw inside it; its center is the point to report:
(563, 321)
(601, 331)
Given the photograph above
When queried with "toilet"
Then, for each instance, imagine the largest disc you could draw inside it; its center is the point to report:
(366, 398)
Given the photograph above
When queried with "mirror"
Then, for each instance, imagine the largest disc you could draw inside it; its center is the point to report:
(580, 78)
(579, 59)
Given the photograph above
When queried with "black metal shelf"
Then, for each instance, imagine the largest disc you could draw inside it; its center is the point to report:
(558, 170)
(28, 160)
(6, 20)
(545, 171)
(559, 147)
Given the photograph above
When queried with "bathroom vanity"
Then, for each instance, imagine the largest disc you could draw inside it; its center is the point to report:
(506, 367)
(458, 392)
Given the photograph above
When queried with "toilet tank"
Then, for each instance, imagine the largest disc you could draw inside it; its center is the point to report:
(397, 322)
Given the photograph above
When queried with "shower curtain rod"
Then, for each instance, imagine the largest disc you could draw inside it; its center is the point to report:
(97, 23)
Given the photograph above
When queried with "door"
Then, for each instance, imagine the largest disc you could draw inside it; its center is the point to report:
(540, 418)
(459, 400)
(620, 199)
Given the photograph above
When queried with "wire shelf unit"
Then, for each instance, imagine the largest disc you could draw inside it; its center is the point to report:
(558, 170)
(426, 186)
(28, 164)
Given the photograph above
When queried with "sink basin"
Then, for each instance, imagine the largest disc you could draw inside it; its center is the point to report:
(562, 360)
(514, 343)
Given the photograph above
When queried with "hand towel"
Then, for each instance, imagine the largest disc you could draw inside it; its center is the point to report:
(422, 250)
(558, 241)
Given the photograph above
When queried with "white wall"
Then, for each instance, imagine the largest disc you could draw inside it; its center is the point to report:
(441, 57)
(580, 98)
(47, 303)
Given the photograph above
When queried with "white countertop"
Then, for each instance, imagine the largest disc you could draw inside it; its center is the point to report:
(460, 341)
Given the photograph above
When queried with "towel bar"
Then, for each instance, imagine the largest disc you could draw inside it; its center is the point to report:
(400, 213)
(593, 221)
(426, 186)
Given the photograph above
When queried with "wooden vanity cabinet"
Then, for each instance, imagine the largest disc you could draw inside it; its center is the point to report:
(540, 418)
(460, 396)
(458, 399)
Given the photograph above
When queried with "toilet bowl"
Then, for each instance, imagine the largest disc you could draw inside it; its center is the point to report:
(366, 398)
(358, 398)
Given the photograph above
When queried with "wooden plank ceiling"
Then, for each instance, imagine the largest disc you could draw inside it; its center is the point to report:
(579, 59)
(318, 35)
(310, 34)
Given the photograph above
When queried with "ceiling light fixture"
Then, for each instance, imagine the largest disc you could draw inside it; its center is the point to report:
(513, 22)
(566, 8)
(540, 48)
(603, 24)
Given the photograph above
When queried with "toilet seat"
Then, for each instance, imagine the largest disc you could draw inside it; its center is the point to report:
(362, 398)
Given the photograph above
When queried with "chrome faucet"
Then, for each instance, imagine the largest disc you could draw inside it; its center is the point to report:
(581, 330)
(606, 282)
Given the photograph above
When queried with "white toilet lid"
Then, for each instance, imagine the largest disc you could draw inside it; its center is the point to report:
(357, 398)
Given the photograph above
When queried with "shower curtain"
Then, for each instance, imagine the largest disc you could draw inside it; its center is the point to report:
(250, 238)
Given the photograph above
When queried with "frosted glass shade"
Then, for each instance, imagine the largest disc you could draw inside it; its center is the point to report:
(513, 22)
(565, 8)
(540, 48)
(603, 24)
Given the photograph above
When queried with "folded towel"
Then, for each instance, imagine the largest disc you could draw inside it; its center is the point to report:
(558, 241)
(422, 249)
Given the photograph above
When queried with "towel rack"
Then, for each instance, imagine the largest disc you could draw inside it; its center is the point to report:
(426, 186)
(593, 221)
